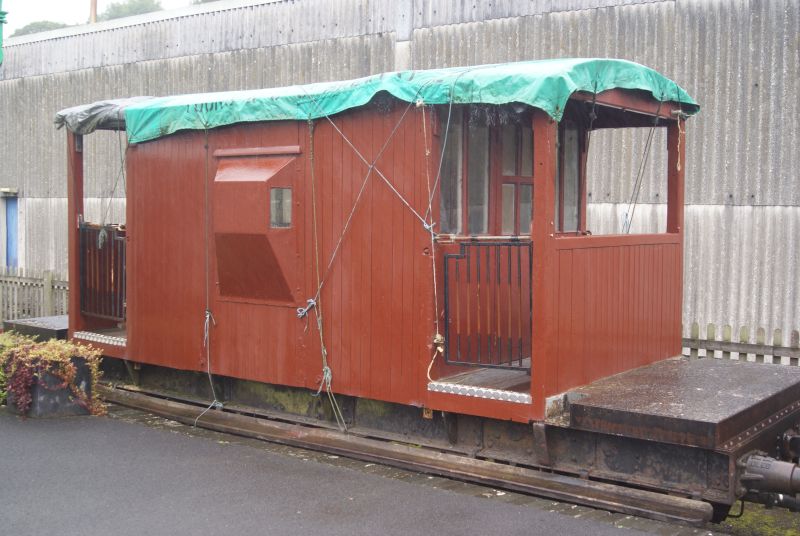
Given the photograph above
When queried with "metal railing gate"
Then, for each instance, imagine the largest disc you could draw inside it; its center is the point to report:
(102, 270)
(488, 304)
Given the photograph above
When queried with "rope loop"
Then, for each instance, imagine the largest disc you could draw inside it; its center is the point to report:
(207, 326)
(102, 237)
(303, 311)
(325, 381)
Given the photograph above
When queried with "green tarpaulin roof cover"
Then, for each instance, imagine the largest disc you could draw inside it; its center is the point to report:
(544, 84)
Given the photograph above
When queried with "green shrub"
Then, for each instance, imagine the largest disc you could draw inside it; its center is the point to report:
(23, 361)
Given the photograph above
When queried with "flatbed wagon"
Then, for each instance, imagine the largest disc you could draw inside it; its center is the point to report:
(409, 256)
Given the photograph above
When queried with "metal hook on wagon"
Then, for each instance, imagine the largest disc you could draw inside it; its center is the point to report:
(303, 311)
(438, 343)
(438, 348)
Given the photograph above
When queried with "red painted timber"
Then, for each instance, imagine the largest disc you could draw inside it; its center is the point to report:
(75, 211)
(601, 304)
(377, 344)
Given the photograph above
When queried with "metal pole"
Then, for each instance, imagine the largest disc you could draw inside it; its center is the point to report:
(92, 11)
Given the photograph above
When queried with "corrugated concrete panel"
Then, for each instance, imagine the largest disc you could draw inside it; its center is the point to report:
(744, 146)
(198, 30)
(742, 268)
(614, 162)
(741, 264)
(37, 167)
(43, 233)
(237, 25)
(429, 13)
(607, 218)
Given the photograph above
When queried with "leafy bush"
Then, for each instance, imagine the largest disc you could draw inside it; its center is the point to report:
(24, 361)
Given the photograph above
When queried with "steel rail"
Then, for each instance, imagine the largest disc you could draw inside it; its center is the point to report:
(569, 489)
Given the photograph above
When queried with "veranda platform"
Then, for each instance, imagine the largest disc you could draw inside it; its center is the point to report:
(707, 402)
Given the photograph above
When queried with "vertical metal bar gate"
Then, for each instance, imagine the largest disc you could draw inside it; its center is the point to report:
(102, 271)
(488, 304)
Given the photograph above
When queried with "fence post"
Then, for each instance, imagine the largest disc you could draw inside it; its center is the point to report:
(47, 294)
(2, 305)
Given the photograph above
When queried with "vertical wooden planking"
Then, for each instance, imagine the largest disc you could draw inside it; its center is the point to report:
(363, 136)
(565, 338)
(615, 305)
(387, 213)
(416, 357)
(397, 175)
(331, 293)
(407, 358)
(347, 180)
(658, 326)
(167, 239)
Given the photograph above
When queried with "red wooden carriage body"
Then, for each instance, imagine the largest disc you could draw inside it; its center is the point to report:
(559, 308)
(405, 254)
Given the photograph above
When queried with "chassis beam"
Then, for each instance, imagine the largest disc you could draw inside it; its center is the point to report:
(550, 485)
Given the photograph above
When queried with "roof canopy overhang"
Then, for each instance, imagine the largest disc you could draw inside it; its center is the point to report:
(543, 84)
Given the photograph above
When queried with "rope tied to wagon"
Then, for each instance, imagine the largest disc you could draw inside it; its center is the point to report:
(208, 316)
(207, 327)
(314, 303)
(303, 311)
(680, 118)
(371, 168)
(327, 377)
(102, 237)
(637, 185)
(438, 339)
(427, 223)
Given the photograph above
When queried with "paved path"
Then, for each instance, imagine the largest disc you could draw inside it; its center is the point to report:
(131, 473)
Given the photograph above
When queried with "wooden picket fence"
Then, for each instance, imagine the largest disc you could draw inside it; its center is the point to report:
(758, 347)
(28, 294)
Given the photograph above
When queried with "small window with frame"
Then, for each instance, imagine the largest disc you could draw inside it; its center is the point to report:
(280, 208)
(486, 183)
(516, 177)
(569, 188)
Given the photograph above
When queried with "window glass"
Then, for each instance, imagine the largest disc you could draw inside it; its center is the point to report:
(451, 179)
(517, 145)
(571, 179)
(280, 208)
(557, 180)
(508, 215)
(526, 147)
(509, 144)
(478, 178)
(525, 207)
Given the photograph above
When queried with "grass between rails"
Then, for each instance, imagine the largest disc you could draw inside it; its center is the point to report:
(760, 521)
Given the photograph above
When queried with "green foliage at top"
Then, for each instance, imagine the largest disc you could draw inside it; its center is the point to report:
(8, 340)
(128, 8)
(39, 26)
(198, 2)
(24, 362)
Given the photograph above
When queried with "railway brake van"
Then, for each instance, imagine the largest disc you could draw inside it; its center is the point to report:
(410, 259)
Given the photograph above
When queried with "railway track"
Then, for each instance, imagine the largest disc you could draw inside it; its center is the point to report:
(304, 434)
